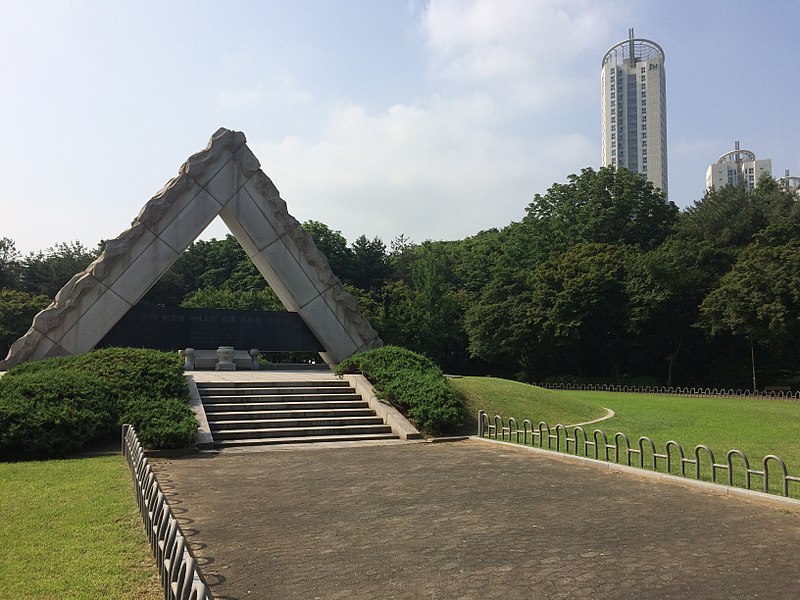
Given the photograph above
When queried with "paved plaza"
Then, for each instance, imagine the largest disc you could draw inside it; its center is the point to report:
(468, 519)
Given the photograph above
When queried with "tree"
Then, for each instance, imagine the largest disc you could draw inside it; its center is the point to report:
(579, 300)
(728, 218)
(211, 297)
(759, 299)
(666, 286)
(214, 264)
(9, 264)
(608, 206)
(369, 267)
(46, 272)
(17, 309)
(426, 317)
(498, 327)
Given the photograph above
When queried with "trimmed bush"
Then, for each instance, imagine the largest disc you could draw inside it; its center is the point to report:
(412, 383)
(59, 406)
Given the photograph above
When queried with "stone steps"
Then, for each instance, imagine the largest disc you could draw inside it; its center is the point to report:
(302, 422)
(285, 405)
(282, 412)
(235, 415)
(252, 397)
(304, 440)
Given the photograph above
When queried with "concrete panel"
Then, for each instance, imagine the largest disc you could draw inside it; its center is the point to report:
(248, 224)
(144, 271)
(94, 324)
(329, 331)
(54, 351)
(226, 183)
(190, 222)
(287, 270)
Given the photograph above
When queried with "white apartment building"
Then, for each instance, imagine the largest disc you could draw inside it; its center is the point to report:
(634, 109)
(790, 182)
(737, 167)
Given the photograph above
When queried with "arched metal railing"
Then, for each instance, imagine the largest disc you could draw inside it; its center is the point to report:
(643, 453)
(180, 575)
(672, 391)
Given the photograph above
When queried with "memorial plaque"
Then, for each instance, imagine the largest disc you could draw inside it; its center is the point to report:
(173, 328)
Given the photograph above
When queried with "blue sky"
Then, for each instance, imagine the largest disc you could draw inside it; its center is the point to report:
(430, 119)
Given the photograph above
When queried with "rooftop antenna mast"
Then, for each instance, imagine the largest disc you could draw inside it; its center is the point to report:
(631, 50)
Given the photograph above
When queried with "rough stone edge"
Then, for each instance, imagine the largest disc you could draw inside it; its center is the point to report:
(390, 415)
(707, 486)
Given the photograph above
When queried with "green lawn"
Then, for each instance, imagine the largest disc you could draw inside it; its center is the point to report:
(70, 529)
(757, 427)
(521, 401)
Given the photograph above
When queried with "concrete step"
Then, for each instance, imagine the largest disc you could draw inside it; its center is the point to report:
(270, 406)
(237, 415)
(304, 440)
(201, 385)
(242, 399)
(302, 422)
(247, 390)
(298, 432)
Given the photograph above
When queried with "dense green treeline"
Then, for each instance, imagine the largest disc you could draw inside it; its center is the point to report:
(601, 280)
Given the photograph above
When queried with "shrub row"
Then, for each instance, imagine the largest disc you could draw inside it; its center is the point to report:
(412, 383)
(63, 405)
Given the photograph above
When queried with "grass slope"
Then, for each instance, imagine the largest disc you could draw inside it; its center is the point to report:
(521, 401)
(71, 530)
(757, 427)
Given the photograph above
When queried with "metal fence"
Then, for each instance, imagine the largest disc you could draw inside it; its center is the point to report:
(642, 454)
(177, 568)
(674, 391)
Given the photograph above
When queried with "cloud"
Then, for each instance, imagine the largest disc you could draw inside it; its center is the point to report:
(471, 153)
(432, 172)
(524, 49)
(280, 93)
(232, 100)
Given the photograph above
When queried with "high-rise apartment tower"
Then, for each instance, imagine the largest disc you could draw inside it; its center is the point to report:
(634, 109)
(738, 167)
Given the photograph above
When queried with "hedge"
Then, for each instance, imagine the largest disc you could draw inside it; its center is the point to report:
(412, 383)
(60, 406)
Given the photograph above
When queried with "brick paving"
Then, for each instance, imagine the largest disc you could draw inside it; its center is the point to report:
(468, 520)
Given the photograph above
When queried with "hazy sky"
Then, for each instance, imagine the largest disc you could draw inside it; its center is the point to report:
(431, 119)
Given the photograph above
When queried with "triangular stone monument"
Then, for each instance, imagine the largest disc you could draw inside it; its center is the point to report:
(225, 179)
